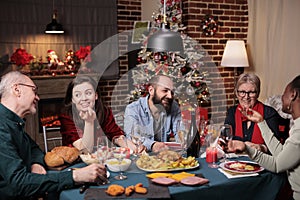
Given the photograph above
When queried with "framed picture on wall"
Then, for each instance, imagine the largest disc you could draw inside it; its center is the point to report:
(139, 28)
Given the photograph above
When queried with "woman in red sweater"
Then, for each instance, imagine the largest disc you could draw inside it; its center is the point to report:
(87, 118)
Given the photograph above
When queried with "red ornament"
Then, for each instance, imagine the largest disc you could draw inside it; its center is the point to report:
(165, 57)
(139, 59)
(197, 84)
(183, 70)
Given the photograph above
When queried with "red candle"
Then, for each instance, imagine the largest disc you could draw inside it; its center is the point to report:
(211, 154)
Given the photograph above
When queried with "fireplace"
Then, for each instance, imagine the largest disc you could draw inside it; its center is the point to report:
(48, 112)
(51, 92)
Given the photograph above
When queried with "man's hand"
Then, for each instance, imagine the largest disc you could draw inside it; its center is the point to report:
(158, 146)
(93, 173)
(38, 169)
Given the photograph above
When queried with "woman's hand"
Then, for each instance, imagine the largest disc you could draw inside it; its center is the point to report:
(260, 147)
(252, 115)
(236, 146)
(88, 116)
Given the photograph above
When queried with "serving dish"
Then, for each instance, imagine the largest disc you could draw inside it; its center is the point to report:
(242, 167)
(114, 166)
(168, 169)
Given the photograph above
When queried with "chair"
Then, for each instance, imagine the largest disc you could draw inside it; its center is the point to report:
(51, 134)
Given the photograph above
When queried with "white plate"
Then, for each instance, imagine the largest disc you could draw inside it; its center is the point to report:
(168, 170)
(227, 166)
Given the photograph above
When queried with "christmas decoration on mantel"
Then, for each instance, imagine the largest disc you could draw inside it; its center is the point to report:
(190, 80)
(36, 66)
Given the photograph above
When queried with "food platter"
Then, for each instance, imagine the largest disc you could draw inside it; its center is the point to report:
(168, 169)
(241, 167)
(165, 161)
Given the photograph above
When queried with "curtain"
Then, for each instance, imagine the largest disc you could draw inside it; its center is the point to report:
(22, 25)
(273, 43)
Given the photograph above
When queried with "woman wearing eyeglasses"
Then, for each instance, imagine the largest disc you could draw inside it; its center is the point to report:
(247, 91)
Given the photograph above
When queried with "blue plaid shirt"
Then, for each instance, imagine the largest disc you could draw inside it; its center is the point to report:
(138, 112)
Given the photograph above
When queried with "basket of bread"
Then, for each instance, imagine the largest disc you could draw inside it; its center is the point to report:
(61, 156)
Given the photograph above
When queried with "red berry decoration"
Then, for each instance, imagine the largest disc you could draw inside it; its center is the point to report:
(197, 84)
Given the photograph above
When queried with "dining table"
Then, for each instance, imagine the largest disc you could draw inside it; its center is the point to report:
(265, 185)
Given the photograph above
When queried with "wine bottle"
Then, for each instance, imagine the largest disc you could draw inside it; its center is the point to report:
(194, 148)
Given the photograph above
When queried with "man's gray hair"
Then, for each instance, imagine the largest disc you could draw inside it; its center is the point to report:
(8, 80)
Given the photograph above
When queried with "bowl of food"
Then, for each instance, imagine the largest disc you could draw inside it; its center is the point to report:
(115, 166)
(89, 158)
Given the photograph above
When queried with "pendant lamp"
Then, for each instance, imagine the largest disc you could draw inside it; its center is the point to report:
(54, 27)
(165, 40)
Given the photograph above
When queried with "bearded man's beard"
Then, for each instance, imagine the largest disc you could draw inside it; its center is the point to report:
(165, 102)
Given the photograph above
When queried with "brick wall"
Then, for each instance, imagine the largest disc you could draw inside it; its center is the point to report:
(232, 16)
(233, 22)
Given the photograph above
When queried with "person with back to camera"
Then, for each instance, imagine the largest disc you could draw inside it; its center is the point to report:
(87, 118)
(285, 157)
(247, 91)
(22, 168)
(158, 112)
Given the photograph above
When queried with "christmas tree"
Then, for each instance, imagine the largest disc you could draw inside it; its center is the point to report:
(185, 70)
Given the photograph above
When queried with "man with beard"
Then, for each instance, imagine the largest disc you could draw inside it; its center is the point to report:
(157, 113)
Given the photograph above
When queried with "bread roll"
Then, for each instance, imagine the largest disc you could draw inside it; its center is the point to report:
(60, 155)
(53, 160)
(69, 154)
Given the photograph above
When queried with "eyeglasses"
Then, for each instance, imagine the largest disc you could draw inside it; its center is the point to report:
(34, 88)
(243, 93)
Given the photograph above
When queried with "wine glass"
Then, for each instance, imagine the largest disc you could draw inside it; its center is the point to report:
(102, 149)
(102, 153)
(225, 136)
(120, 153)
(137, 136)
(182, 128)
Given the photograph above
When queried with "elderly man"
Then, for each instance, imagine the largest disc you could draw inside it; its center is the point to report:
(22, 167)
(158, 113)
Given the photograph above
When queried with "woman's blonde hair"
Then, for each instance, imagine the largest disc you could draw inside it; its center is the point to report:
(248, 78)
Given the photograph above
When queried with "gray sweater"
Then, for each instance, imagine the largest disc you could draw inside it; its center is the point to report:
(284, 157)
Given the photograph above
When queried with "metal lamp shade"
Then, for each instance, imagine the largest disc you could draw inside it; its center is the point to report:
(165, 40)
(54, 27)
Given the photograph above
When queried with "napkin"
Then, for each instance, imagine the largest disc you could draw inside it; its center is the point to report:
(235, 175)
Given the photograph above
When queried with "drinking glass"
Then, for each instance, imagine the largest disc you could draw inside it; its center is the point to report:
(183, 127)
(120, 153)
(225, 136)
(102, 152)
(137, 136)
(212, 142)
(102, 149)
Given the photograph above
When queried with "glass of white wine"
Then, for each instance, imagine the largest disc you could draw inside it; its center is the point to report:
(120, 153)
(138, 136)
(182, 128)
